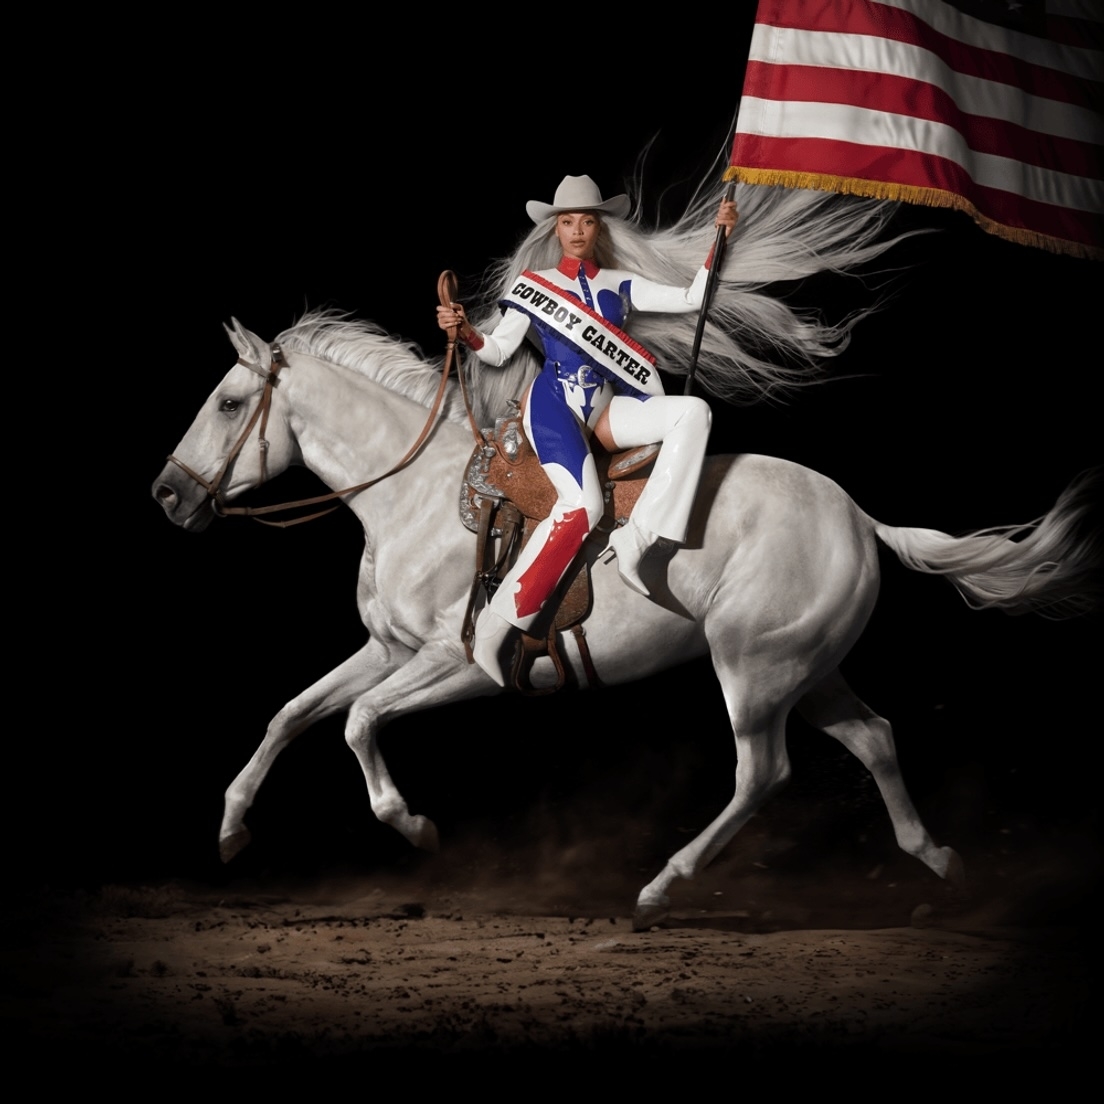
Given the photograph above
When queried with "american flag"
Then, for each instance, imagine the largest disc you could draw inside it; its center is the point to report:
(993, 107)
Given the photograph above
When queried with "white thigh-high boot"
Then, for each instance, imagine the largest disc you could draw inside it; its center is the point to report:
(681, 423)
(541, 565)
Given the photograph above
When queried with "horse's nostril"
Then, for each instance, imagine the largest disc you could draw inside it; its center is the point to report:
(164, 494)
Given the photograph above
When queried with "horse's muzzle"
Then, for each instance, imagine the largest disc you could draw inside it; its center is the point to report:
(185, 503)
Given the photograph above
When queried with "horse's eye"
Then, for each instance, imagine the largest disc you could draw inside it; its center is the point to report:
(229, 406)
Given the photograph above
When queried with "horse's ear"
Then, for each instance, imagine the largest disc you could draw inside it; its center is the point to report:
(249, 346)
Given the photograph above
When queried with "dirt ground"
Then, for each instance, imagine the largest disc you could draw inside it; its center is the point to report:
(179, 977)
(329, 944)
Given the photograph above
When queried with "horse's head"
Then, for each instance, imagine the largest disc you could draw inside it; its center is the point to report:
(240, 437)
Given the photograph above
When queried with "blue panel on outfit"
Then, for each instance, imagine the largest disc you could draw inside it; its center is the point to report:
(558, 437)
(611, 304)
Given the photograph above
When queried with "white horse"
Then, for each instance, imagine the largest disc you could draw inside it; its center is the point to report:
(776, 582)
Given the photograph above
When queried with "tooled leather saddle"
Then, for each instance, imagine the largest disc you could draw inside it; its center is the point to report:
(505, 495)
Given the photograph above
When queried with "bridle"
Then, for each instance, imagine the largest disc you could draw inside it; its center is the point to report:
(213, 486)
(446, 287)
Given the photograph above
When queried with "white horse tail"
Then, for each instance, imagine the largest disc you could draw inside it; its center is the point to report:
(1053, 570)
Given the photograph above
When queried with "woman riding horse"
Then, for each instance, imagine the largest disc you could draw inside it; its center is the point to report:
(595, 380)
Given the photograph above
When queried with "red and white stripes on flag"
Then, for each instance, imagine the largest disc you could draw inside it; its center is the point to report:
(999, 114)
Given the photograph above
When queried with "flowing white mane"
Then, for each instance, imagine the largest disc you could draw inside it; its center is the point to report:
(364, 347)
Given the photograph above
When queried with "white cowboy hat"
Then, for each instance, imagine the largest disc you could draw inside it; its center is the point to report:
(577, 193)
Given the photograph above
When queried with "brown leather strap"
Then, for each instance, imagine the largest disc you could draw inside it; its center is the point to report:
(584, 654)
(447, 287)
(479, 579)
(530, 650)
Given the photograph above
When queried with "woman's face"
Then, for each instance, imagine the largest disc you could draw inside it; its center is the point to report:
(577, 232)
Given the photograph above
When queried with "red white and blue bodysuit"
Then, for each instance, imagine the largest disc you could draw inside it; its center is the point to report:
(588, 367)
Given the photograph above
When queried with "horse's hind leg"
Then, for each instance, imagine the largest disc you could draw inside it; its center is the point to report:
(833, 707)
(330, 694)
(762, 768)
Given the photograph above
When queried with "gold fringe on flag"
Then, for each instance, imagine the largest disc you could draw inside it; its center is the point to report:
(908, 193)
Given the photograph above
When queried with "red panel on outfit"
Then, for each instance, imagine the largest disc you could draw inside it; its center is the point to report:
(539, 579)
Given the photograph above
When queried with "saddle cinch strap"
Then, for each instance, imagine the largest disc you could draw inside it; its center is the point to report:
(506, 494)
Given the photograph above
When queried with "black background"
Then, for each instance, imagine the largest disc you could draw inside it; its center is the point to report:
(252, 185)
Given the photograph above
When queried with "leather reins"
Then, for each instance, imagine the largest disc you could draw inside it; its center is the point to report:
(446, 290)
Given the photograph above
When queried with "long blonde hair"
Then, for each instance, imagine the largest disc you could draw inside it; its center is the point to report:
(755, 345)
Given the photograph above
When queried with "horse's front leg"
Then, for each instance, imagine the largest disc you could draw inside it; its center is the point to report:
(439, 673)
(330, 694)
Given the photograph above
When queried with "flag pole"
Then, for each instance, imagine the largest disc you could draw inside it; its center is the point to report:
(710, 287)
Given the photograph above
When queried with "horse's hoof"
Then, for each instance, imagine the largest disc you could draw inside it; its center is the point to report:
(231, 845)
(649, 913)
(955, 871)
(425, 835)
(923, 916)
